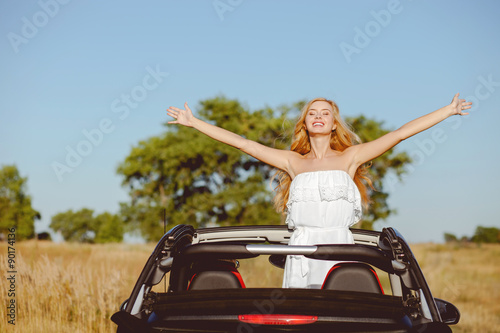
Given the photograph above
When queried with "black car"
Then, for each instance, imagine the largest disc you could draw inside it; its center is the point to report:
(206, 293)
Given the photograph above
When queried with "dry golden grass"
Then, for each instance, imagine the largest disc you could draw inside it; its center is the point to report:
(70, 287)
(468, 276)
(76, 288)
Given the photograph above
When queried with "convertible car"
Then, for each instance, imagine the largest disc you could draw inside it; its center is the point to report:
(204, 290)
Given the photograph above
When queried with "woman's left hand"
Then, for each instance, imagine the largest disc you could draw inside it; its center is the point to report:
(459, 105)
(182, 117)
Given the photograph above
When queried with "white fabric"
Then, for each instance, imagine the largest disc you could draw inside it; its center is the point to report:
(321, 207)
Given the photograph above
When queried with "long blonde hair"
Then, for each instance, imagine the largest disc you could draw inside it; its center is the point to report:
(342, 138)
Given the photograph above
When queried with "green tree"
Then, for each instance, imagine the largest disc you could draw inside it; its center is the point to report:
(486, 235)
(202, 182)
(198, 180)
(82, 226)
(108, 228)
(74, 226)
(450, 238)
(15, 204)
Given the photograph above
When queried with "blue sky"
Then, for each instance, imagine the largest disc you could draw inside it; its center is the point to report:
(92, 78)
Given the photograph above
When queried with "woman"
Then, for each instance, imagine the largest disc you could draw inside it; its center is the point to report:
(320, 178)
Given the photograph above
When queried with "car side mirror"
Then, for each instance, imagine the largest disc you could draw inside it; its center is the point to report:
(449, 312)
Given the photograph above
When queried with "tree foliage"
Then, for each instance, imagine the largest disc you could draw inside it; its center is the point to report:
(202, 182)
(450, 238)
(199, 180)
(82, 226)
(15, 204)
(486, 235)
(481, 235)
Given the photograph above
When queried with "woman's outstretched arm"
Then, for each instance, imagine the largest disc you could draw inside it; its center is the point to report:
(367, 151)
(275, 157)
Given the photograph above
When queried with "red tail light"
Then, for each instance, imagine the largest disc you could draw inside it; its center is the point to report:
(277, 319)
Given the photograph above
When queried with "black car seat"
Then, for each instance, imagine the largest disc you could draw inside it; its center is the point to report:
(353, 276)
(215, 274)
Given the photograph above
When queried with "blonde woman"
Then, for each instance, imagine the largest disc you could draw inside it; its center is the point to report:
(321, 186)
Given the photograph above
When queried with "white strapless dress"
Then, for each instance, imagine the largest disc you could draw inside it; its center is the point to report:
(321, 207)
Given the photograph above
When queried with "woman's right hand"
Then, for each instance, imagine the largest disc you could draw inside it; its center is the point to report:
(182, 117)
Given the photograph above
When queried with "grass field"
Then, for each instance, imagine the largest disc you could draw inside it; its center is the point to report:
(76, 288)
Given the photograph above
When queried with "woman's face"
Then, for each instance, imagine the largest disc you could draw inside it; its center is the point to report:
(319, 118)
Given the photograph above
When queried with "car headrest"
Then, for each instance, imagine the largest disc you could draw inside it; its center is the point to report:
(353, 276)
(215, 274)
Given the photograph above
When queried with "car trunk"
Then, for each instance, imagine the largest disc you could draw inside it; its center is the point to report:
(298, 309)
